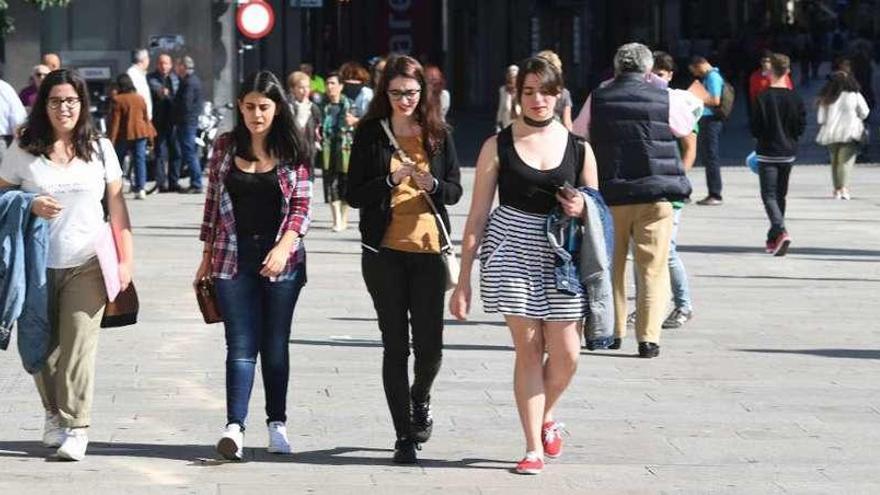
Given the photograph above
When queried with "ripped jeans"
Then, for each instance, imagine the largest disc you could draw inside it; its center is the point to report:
(257, 315)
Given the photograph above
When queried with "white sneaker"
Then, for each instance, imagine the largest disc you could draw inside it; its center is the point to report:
(231, 444)
(278, 442)
(140, 194)
(845, 195)
(53, 433)
(74, 446)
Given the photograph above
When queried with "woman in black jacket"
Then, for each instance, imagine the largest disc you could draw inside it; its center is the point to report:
(401, 261)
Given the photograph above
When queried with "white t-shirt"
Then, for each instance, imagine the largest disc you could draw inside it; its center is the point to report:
(78, 186)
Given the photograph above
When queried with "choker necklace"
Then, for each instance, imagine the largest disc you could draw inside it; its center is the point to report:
(537, 123)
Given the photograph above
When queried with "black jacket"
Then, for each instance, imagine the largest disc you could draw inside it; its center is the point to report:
(636, 151)
(368, 189)
(162, 104)
(778, 121)
(188, 100)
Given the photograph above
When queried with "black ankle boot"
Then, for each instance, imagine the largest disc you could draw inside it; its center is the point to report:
(422, 422)
(405, 451)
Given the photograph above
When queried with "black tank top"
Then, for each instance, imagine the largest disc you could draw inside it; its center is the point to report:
(256, 201)
(531, 190)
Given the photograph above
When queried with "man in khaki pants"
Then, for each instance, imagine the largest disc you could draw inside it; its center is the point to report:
(634, 127)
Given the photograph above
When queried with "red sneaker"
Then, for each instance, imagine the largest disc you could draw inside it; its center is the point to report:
(530, 464)
(551, 438)
(780, 244)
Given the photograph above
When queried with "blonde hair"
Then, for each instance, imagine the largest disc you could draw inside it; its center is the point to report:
(296, 77)
(552, 57)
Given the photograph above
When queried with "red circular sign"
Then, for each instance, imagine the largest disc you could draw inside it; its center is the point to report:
(255, 19)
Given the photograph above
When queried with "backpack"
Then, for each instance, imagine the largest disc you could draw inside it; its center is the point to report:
(728, 96)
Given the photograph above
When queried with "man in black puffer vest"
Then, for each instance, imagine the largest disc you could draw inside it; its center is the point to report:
(634, 128)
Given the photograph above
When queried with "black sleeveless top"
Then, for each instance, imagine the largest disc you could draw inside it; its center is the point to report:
(256, 201)
(531, 190)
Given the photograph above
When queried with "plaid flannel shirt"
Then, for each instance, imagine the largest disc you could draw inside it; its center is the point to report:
(218, 224)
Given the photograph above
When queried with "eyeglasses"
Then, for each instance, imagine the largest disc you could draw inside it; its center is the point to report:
(398, 95)
(72, 102)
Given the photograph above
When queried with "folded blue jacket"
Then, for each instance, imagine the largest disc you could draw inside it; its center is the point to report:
(584, 250)
(24, 249)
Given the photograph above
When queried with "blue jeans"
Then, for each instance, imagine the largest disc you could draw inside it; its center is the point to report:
(189, 153)
(167, 159)
(138, 160)
(681, 292)
(257, 315)
(708, 147)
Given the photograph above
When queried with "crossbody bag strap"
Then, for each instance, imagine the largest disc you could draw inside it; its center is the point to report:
(447, 240)
(104, 205)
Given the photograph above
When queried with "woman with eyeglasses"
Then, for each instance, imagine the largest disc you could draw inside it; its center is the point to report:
(533, 164)
(400, 236)
(59, 157)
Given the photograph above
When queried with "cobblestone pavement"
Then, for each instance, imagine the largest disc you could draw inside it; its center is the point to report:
(774, 387)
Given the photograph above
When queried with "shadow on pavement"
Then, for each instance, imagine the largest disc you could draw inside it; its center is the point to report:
(377, 343)
(776, 277)
(710, 249)
(448, 323)
(832, 353)
(204, 455)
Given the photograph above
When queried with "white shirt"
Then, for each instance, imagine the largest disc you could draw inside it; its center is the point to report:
(843, 120)
(79, 186)
(139, 77)
(12, 112)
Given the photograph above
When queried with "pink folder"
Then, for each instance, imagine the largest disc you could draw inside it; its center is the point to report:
(105, 248)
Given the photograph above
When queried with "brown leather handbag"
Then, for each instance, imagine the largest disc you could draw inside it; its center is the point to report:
(207, 297)
(123, 311)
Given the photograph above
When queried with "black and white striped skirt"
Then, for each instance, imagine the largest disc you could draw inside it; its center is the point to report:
(517, 270)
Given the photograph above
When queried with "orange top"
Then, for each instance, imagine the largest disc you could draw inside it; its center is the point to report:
(413, 227)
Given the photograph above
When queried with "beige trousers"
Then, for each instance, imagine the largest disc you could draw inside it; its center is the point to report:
(649, 226)
(76, 305)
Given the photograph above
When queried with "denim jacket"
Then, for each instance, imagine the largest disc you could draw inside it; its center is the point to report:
(23, 284)
(583, 262)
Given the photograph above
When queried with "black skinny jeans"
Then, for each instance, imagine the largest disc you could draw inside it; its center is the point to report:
(407, 288)
(774, 188)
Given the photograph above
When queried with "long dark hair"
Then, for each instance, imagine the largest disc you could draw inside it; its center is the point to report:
(838, 82)
(283, 141)
(427, 112)
(37, 136)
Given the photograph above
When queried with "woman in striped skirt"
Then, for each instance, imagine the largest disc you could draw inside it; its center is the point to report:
(533, 163)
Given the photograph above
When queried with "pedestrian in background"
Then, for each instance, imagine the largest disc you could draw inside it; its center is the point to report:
(778, 121)
(636, 129)
(400, 236)
(130, 129)
(527, 163)
(842, 111)
(12, 115)
(140, 64)
(164, 85)
(437, 85)
(562, 111)
(306, 115)
(188, 104)
(257, 211)
(59, 157)
(336, 137)
(355, 79)
(508, 106)
(52, 61)
(28, 95)
(711, 125)
(683, 308)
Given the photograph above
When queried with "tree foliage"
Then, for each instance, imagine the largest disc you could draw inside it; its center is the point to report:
(6, 23)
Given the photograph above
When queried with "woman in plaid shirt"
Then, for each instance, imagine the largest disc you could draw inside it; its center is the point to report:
(256, 213)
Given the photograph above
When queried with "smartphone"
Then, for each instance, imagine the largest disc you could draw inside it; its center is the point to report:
(567, 190)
